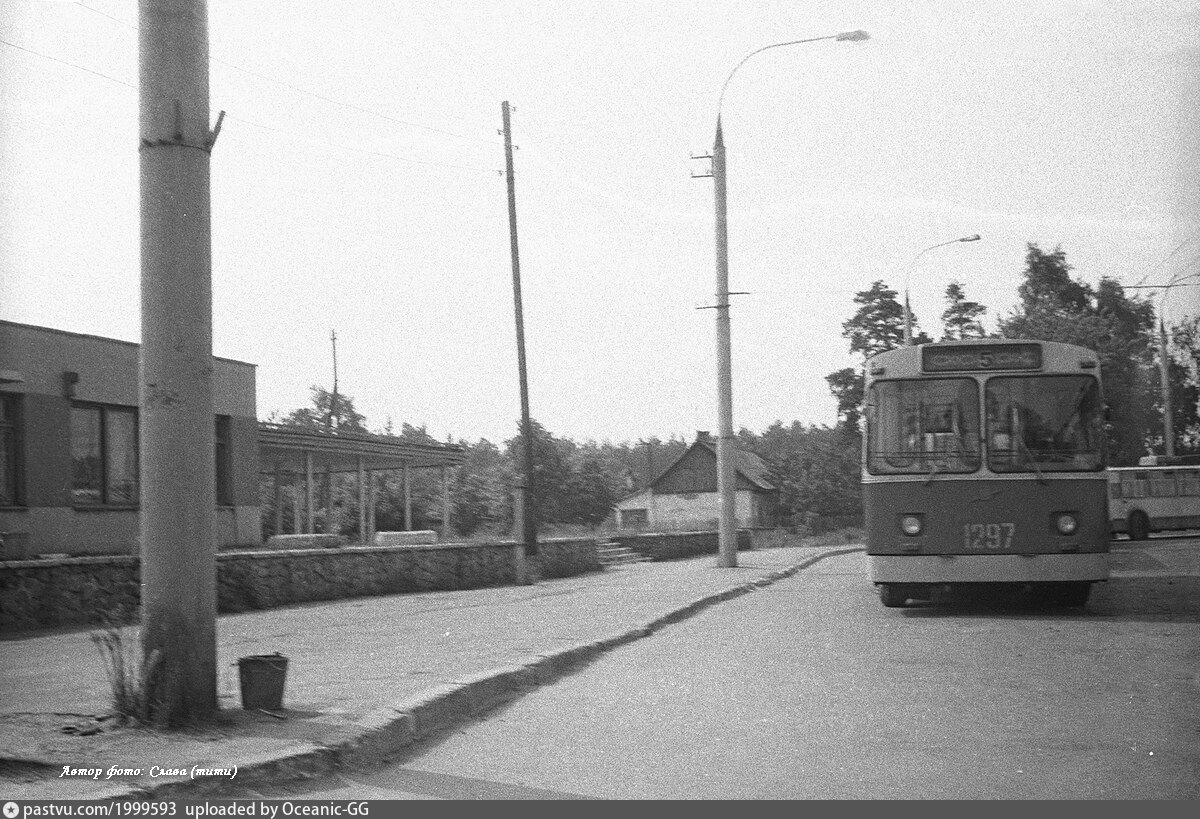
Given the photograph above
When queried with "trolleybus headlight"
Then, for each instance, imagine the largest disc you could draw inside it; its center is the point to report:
(1066, 523)
(910, 525)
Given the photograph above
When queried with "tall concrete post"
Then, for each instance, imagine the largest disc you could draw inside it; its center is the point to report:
(178, 571)
(362, 503)
(445, 502)
(726, 474)
(407, 499)
(1164, 364)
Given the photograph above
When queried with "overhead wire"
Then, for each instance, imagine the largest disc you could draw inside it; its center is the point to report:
(246, 121)
(299, 89)
(65, 62)
(1167, 258)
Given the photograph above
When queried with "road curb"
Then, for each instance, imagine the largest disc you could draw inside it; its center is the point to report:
(390, 730)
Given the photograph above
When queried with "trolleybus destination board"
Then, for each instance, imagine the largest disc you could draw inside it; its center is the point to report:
(975, 357)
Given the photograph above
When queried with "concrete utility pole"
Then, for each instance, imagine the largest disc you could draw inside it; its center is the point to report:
(176, 423)
(726, 472)
(525, 520)
(1164, 370)
(335, 419)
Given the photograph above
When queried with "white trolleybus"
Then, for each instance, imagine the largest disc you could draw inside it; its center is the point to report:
(1160, 494)
(983, 463)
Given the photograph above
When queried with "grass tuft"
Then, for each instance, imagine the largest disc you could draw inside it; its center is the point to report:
(129, 674)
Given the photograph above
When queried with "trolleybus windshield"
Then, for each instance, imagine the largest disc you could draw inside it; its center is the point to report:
(927, 426)
(1044, 423)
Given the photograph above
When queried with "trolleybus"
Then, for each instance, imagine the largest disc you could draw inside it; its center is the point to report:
(1160, 494)
(983, 463)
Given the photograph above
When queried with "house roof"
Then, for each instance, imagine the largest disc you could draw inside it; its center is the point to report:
(747, 464)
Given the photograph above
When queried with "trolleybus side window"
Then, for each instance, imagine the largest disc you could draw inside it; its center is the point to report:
(1162, 485)
(926, 426)
(1044, 423)
(1189, 483)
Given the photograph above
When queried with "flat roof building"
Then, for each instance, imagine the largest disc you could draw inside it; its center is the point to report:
(69, 473)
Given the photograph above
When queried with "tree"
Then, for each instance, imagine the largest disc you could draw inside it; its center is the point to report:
(1048, 281)
(961, 317)
(590, 492)
(1055, 307)
(481, 497)
(326, 412)
(549, 472)
(847, 386)
(816, 470)
(876, 327)
(1184, 380)
(878, 324)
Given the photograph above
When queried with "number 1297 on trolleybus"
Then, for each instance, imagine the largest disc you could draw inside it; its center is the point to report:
(983, 463)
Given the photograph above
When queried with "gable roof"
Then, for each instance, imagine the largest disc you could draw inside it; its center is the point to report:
(747, 464)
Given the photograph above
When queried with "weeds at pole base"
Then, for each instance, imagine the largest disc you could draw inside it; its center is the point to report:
(130, 676)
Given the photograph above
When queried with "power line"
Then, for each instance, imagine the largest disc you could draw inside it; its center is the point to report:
(64, 62)
(363, 150)
(1167, 258)
(259, 124)
(314, 94)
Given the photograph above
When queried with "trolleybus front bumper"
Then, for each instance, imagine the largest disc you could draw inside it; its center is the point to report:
(1019, 568)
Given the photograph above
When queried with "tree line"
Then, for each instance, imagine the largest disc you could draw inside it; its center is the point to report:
(814, 467)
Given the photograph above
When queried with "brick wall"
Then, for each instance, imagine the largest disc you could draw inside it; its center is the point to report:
(85, 590)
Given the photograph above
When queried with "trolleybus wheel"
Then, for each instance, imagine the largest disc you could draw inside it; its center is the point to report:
(893, 595)
(1139, 526)
(1061, 594)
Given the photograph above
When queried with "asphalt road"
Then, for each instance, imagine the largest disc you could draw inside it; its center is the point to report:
(810, 689)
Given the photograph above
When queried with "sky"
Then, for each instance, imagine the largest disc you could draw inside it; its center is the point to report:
(358, 187)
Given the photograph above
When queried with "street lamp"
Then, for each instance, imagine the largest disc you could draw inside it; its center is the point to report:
(908, 340)
(726, 474)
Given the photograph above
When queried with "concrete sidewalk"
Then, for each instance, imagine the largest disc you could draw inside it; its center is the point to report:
(366, 676)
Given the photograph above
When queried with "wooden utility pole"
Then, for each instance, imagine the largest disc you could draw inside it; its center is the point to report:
(176, 421)
(525, 520)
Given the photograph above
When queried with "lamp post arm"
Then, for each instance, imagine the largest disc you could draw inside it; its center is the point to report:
(931, 247)
(721, 99)
(974, 237)
(845, 36)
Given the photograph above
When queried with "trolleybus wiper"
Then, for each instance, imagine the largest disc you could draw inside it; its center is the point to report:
(1029, 456)
(932, 471)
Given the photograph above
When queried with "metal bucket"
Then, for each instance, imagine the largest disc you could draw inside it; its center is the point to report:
(262, 678)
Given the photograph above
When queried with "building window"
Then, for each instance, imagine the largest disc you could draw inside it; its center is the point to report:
(224, 452)
(10, 450)
(104, 455)
(633, 517)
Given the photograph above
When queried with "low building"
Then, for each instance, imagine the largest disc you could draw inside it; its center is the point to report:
(69, 472)
(69, 445)
(684, 495)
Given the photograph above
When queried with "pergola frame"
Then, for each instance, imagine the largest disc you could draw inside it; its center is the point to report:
(296, 452)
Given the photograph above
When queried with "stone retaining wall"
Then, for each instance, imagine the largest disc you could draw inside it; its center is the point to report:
(675, 545)
(87, 590)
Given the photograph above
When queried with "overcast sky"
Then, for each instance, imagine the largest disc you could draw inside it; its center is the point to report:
(357, 186)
